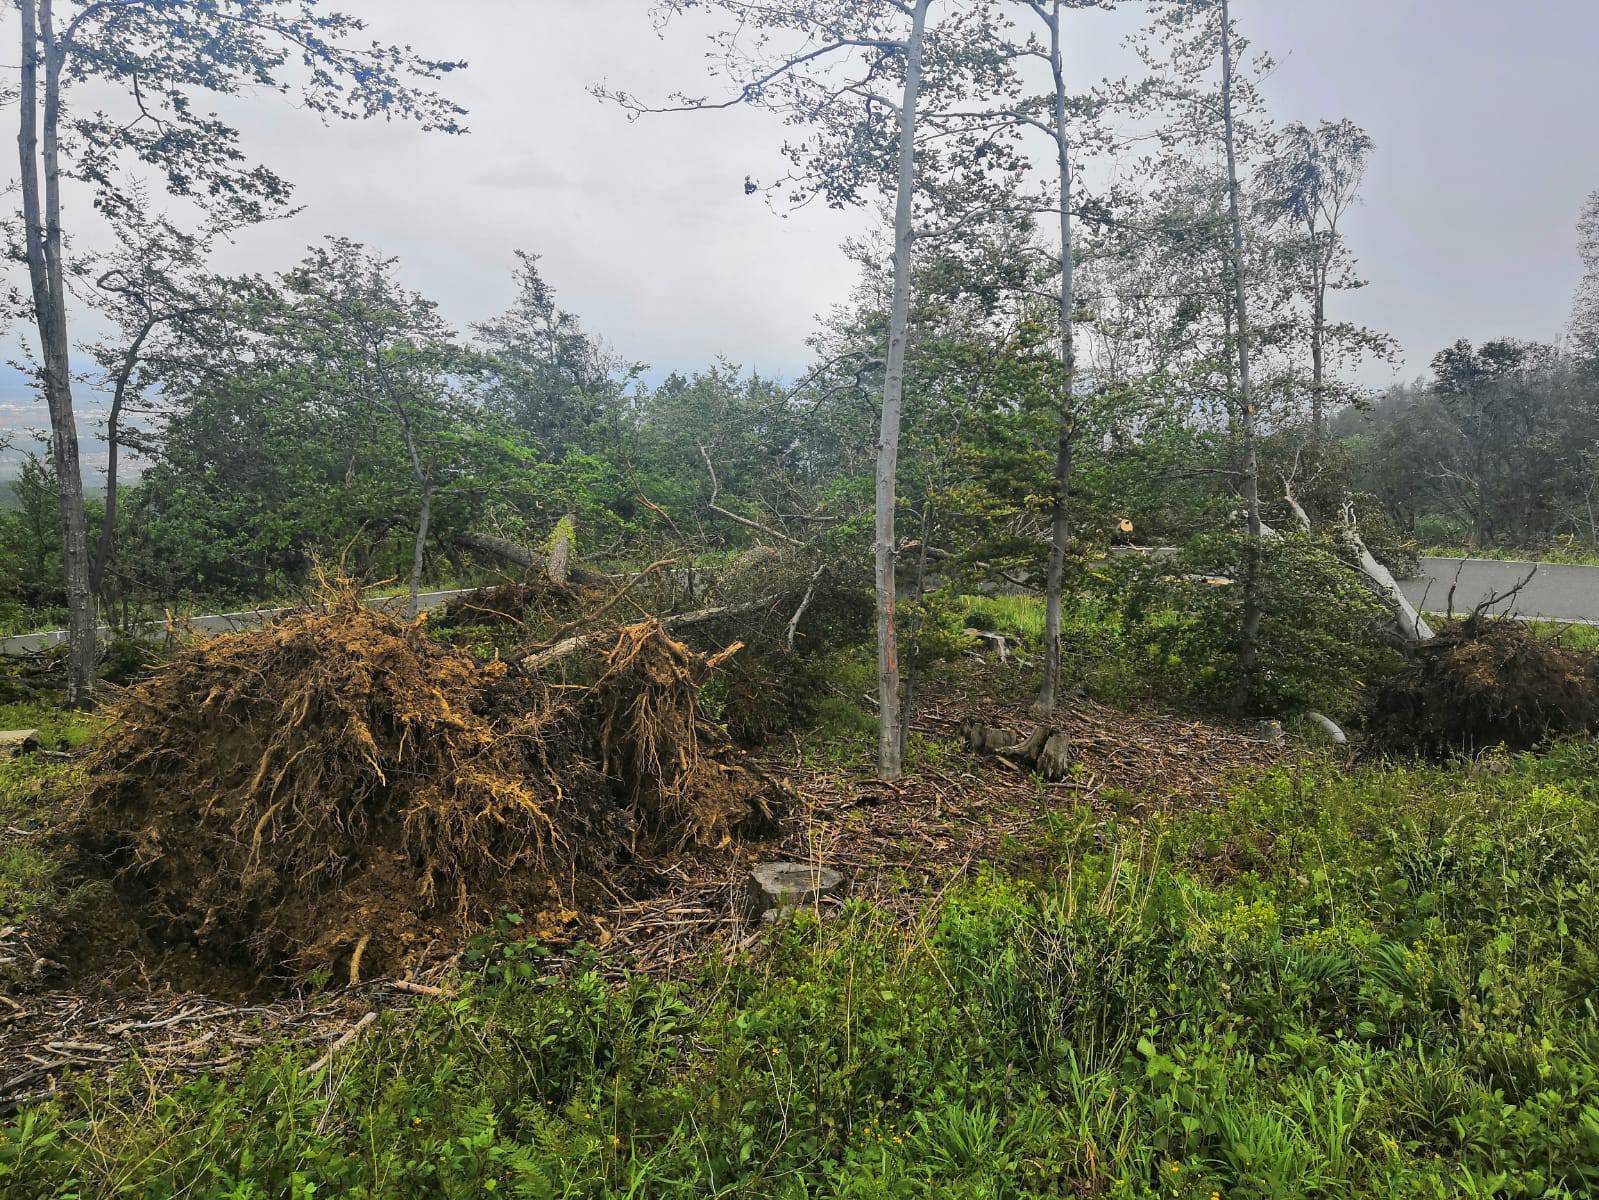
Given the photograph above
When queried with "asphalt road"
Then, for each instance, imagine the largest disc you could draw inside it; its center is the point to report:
(155, 631)
(1555, 592)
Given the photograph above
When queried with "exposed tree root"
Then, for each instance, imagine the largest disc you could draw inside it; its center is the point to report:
(1481, 683)
(338, 789)
(1046, 750)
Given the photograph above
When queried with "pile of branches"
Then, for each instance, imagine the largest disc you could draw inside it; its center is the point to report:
(1485, 682)
(340, 790)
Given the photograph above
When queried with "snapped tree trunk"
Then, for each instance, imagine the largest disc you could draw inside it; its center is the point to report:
(562, 547)
(890, 762)
(1249, 641)
(41, 209)
(1060, 516)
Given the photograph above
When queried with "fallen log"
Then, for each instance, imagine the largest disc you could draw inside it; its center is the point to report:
(1411, 623)
(526, 558)
(533, 660)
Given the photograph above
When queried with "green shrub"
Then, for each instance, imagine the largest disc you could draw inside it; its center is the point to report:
(1368, 985)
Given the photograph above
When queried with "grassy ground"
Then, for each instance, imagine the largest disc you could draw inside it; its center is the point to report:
(1367, 984)
(31, 790)
(1565, 551)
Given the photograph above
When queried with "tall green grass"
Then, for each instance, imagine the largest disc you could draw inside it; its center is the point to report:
(1374, 985)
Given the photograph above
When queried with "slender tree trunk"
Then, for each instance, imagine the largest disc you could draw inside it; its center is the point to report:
(1060, 516)
(423, 520)
(108, 521)
(1249, 643)
(1318, 367)
(920, 590)
(41, 210)
(890, 761)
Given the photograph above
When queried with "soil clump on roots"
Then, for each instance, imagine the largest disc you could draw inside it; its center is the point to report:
(340, 791)
(1481, 683)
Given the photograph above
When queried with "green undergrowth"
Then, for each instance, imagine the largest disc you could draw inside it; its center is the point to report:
(1378, 984)
(1563, 551)
(32, 793)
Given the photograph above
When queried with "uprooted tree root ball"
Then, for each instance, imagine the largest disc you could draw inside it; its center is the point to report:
(678, 769)
(1481, 683)
(339, 790)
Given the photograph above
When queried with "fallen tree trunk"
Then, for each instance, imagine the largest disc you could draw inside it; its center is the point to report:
(522, 556)
(1411, 623)
(535, 659)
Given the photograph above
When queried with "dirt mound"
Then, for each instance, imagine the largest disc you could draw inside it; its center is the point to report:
(1481, 683)
(339, 790)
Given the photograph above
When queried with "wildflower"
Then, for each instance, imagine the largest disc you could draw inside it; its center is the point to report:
(416, 1120)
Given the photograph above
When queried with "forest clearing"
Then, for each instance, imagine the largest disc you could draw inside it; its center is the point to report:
(1079, 725)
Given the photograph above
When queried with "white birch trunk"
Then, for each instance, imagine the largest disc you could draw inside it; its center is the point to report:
(1060, 518)
(1249, 646)
(890, 761)
(424, 519)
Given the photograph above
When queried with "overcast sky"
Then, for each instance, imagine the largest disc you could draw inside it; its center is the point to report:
(1484, 113)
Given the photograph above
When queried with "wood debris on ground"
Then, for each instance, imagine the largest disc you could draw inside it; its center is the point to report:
(898, 845)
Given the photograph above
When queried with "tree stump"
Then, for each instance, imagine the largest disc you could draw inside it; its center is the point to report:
(1048, 751)
(996, 643)
(18, 741)
(779, 887)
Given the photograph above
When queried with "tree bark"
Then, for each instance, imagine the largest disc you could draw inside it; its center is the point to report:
(559, 567)
(1318, 368)
(108, 521)
(1060, 516)
(423, 520)
(41, 207)
(1249, 642)
(890, 762)
(523, 557)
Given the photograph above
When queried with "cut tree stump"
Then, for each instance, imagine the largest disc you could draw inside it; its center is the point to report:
(997, 643)
(1047, 750)
(18, 741)
(779, 887)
